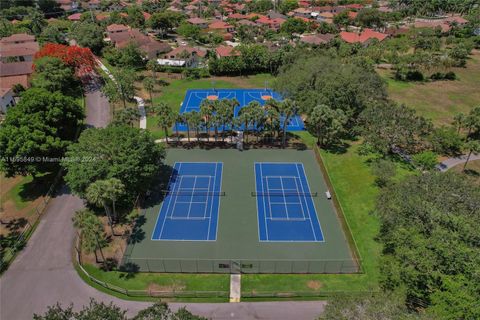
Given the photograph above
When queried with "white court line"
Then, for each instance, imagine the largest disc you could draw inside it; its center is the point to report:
(308, 209)
(217, 164)
(301, 204)
(207, 198)
(264, 204)
(211, 202)
(170, 200)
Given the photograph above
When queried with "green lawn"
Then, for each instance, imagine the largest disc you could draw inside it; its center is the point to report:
(174, 93)
(440, 100)
(163, 282)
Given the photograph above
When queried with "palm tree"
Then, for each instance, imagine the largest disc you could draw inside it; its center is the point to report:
(93, 236)
(207, 109)
(225, 111)
(166, 117)
(472, 146)
(127, 116)
(149, 85)
(185, 118)
(287, 108)
(96, 194)
(272, 117)
(459, 121)
(152, 65)
(196, 121)
(114, 188)
(257, 114)
(244, 117)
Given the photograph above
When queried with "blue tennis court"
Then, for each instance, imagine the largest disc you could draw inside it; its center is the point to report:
(194, 98)
(190, 208)
(285, 207)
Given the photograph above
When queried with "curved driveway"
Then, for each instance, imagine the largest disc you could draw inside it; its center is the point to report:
(43, 273)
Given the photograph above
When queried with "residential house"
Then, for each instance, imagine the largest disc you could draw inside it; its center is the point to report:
(75, 17)
(121, 35)
(226, 51)
(18, 47)
(199, 22)
(302, 13)
(7, 99)
(273, 24)
(189, 55)
(15, 73)
(68, 5)
(363, 37)
(317, 39)
(221, 26)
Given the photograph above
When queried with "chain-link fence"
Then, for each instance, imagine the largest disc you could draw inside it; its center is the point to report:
(240, 266)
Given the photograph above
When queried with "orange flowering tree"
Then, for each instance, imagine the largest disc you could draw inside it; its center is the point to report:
(80, 59)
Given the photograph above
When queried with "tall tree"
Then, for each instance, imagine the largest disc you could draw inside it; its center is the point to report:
(472, 146)
(429, 229)
(207, 109)
(39, 128)
(53, 74)
(389, 126)
(93, 236)
(288, 108)
(149, 85)
(327, 124)
(128, 154)
(166, 117)
(88, 35)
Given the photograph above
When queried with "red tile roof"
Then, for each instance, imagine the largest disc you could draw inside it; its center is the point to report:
(74, 17)
(226, 51)
(367, 34)
(219, 25)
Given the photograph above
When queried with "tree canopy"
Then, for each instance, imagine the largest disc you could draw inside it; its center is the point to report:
(128, 154)
(37, 129)
(431, 242)
(318, 80)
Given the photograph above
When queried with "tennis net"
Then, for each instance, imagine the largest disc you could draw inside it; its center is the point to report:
(193, 193)
(286, 194)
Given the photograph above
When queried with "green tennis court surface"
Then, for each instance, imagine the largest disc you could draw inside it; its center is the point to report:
(239, 245)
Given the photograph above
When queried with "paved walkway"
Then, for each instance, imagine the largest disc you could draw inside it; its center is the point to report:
(235, 287)
(452, 162)
(140, 102)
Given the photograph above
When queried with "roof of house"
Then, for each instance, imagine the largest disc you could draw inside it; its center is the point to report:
(74, 17)
(226, 51)
(317, 39)
(10, 81)
(219, 25)
(365, 35)
(18, 37)
(15, 69)
(19, 49)
(246, 22)
(117, 27)
(236, 16)
(197, 21)
(199, 52)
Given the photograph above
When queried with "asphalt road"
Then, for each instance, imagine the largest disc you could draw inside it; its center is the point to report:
(43, 273)
(98, 109)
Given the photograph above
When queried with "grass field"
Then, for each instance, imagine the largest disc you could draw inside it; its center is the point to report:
(440, 100)
(174, 93)
(472, 170)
